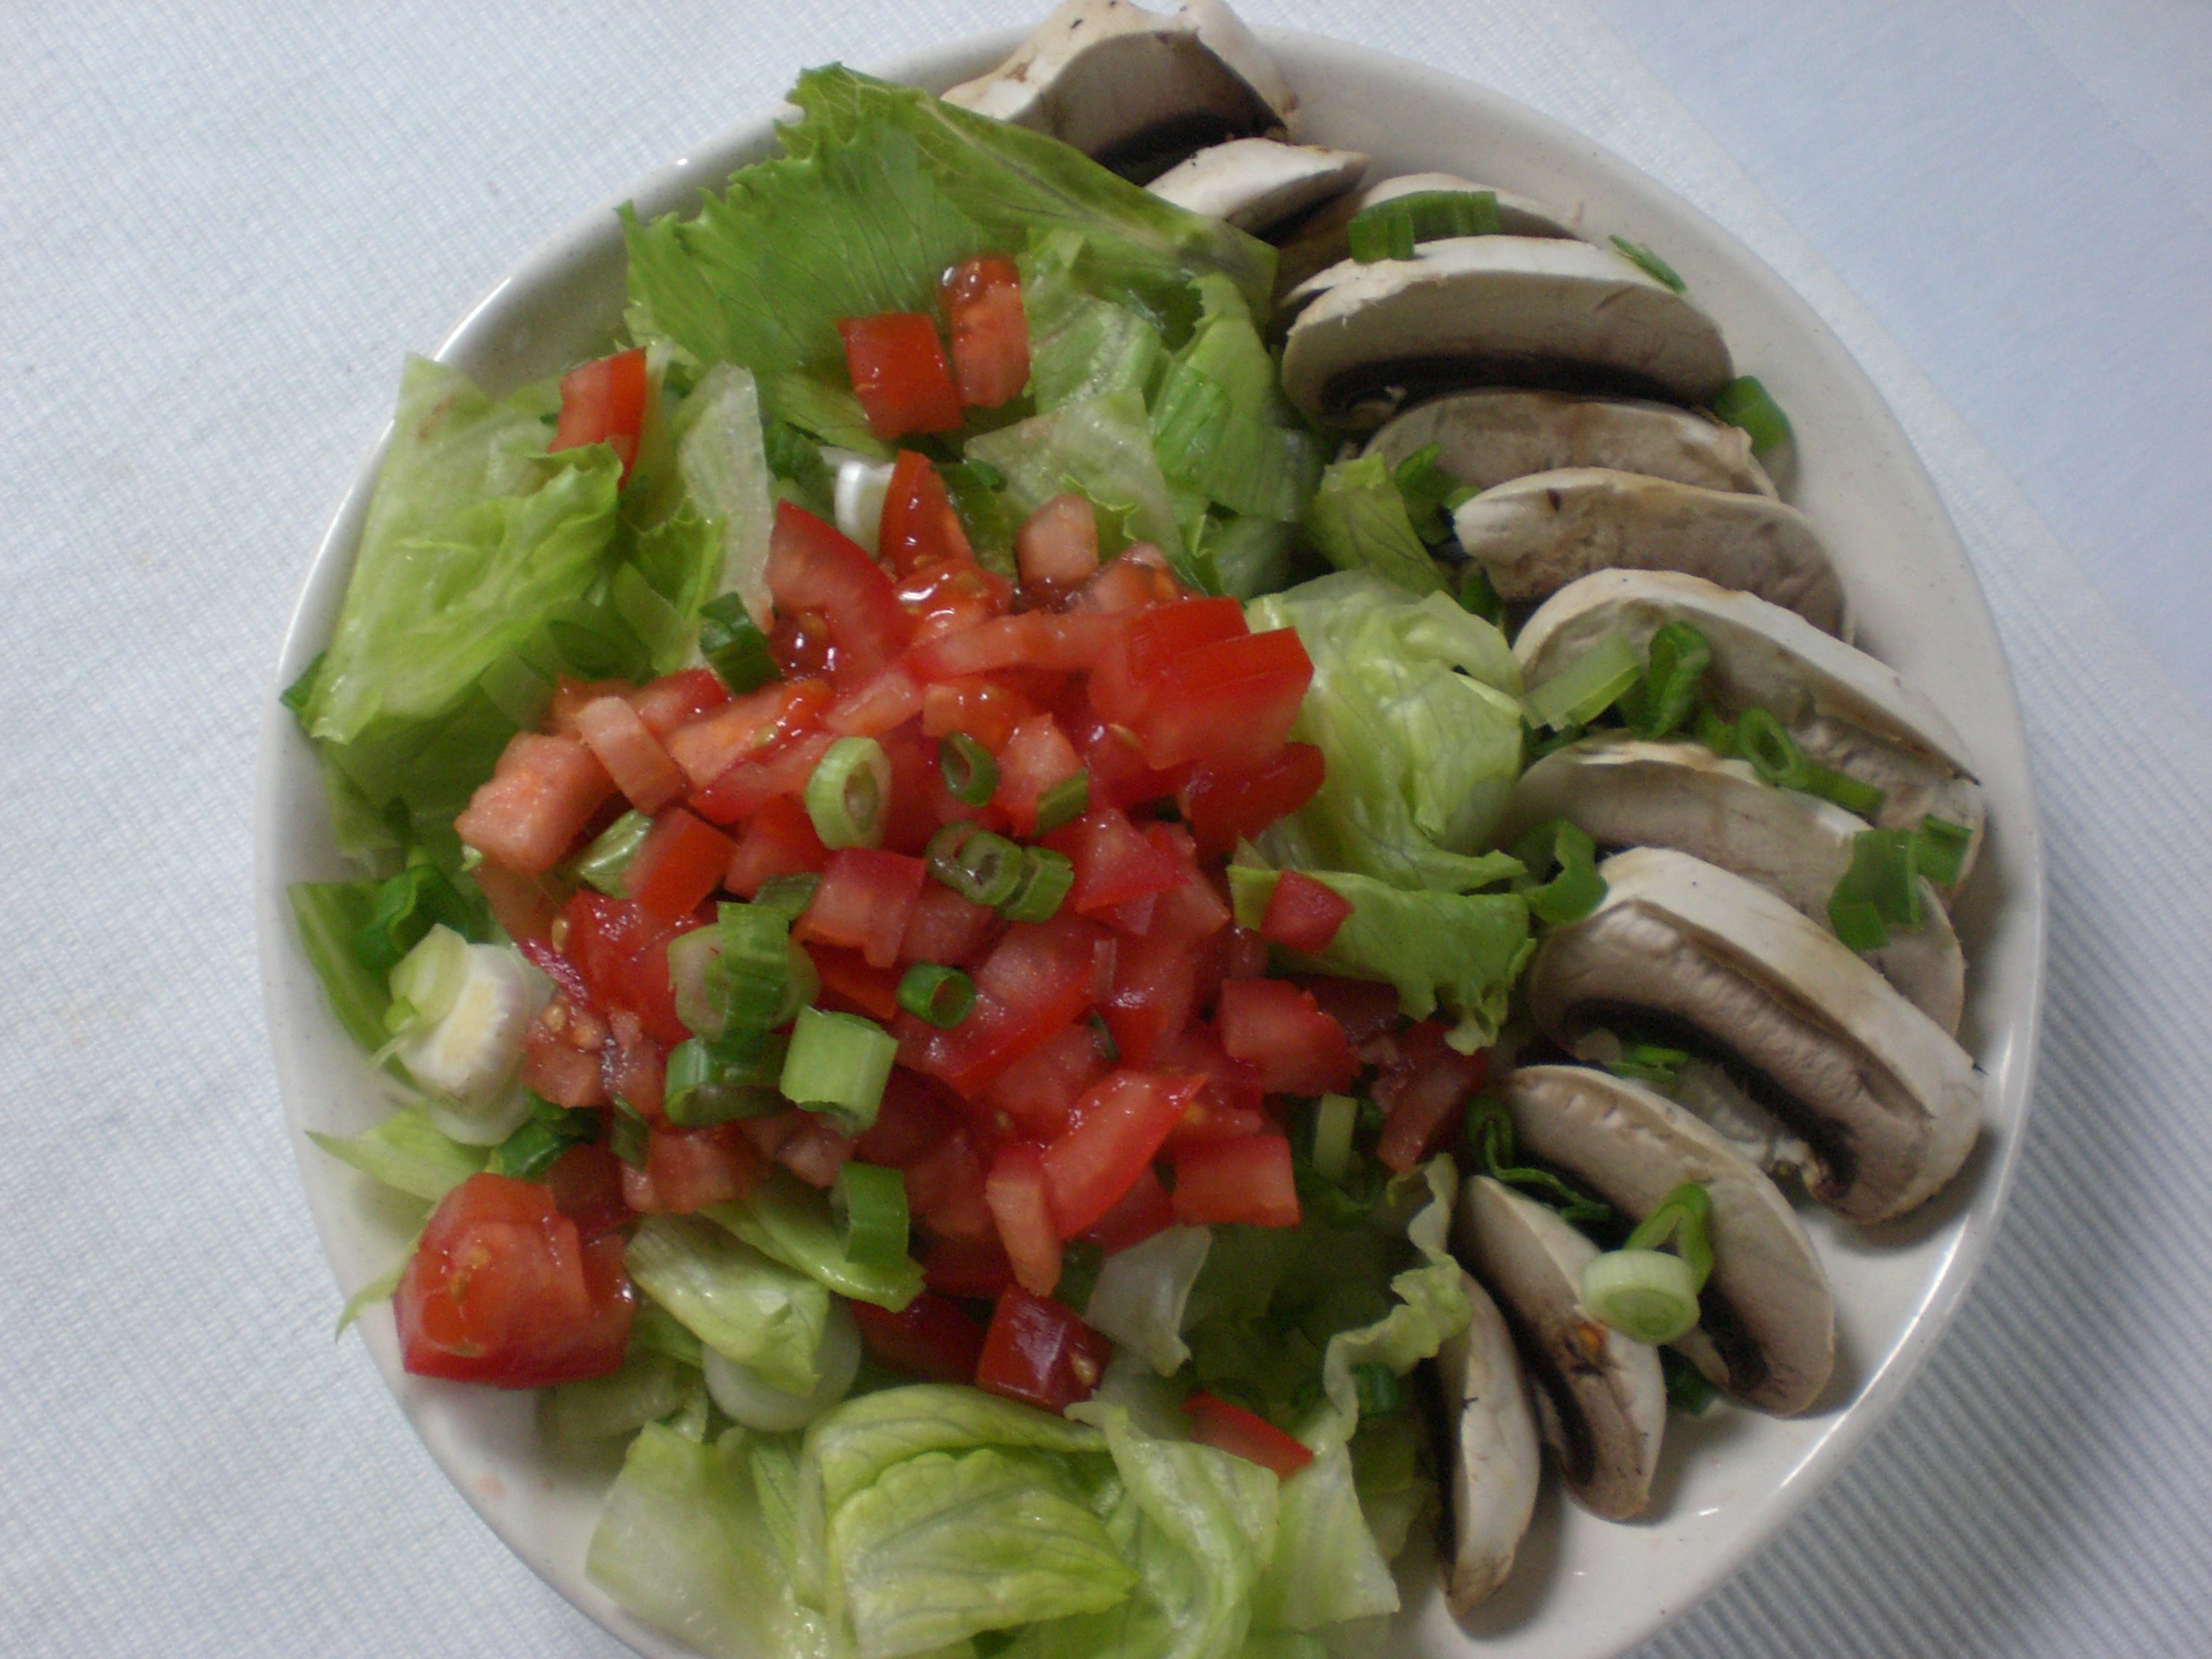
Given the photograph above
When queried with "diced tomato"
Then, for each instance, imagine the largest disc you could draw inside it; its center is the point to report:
(563, 1071)
(603, 402)
(1190, 911)
(1249, 1180)
(953, 596)
(621, 949)
(1137, 579)
(1118, 1127)
(1019, 1196)
(501, 1290)
(1057, 545)
(1155, 987)
(524, 905)
(875, 705)
(1034, 639)
(677, 699)
(911, 814)
(1303, 914)
(947, 929)
(1228, 704)
(1243, 1434)
(1365, 1008)
(634, 1066)
(813, 568)
(863, 903)
(1279, 1028)
(816, 1152)
(1039, 1090)
(1421, 1098)
(746, 727)
(932, 1338)
(967, 1267)
(982, 302)
(1141, 1212)
(779, 842)
(749, 784)
(543, 793)
(850, 985)
(945, 1187)
(687, 1170)
(1036, 980)
(1115, 760)
(983, 709)
(1230, 1104)
(634, 758)
(1036, 757)
(1039, 1353)
(680, 861)
(919, 527)
(1113, 862)
(585, 1183)
(899, 374)
(916, 1113)
(1224, 806)
(800, 643)
(1135, 664)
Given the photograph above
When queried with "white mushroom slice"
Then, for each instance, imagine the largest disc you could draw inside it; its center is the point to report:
(1710, 1095)
(1491, 1429)
(1322, 242)
(1888, 1104)
(1626, 792)
(1767, 1326)
(1535, 535)
(1844, 709)
(1259, 184)
(1601, 1398)
(1485, 438)
(1510, 310)
(1135, 89)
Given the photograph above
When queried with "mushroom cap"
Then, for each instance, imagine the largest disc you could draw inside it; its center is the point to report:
(1256, 184)
(1536, 534)
(1322, 241)
(1491, 1429)
(1511, 310)
(1845, 709)
(1888, 1103)
(1766, 1331)
(1485, 438)
(1601, 1398)
(1627, 792)
(1134, 89)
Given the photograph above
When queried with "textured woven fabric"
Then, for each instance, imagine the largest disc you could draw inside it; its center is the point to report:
(225, 226)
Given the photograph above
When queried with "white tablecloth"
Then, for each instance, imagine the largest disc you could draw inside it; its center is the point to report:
(225, 224)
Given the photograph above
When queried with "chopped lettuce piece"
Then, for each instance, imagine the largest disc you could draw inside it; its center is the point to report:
(1142, 1291)
(1101, 448)
(378, 1289)
(1359, 521)
(724, 461)
(406, 1152)
(330, 915)
(790, 1221)
(1254, 555)
(738, 1302)
(1081, 346)
(1219, 421)
(649, 1386)
(1428, 1302)
(1327, 1565)
(1415, 706)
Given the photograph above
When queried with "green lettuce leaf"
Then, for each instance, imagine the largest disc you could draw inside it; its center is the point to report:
(405, 1152)
(1461, 952)
(648, 1386)
(1327, 1565)
(788, 1221)
(1101, 448)
(1219, 421)
(1081, 346)
(1415, 706)
(724, 463)
(735, 1299)
(330, 915)
(1428, 1302)
(1253, 556)
(1142, 1293)
(1357, 518)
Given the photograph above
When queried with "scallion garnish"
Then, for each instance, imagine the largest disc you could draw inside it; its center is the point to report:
(1648, 1062)
(1575, 890)
(1844, 790)
(837, 1065)
(749, 980)
(942, 996)
(1774, 755)
(408, 906)
(1334, 1119)
(1064, 802)
(970, 774)
(1880, 891)
(628, 1135)
(1046, 878)
(1674, 673)
(1490, 1136)
(734, 646)
(1745, 403)
(1376, 235)
(1940, 850)
(602, 864)
(1376, 1386)
(1688, 1390)
(427, 981)
(1477, 595)
(1427, 489)
(787, 895)
(1643, 1291)
(983, 868)
(868, 1202)
(545, 1134)
(706, 1084)
(1102, 1039)
(1390, 230)
(850, 794)
(1586, 687)
(1717, 734)
(1649, 264)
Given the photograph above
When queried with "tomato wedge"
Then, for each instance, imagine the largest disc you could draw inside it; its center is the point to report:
(1232, 1429)
(919, 527)
(1224, 805)
(681, 860)
(1018, 1193)
(614, 731)
(899, 374)
(603, 402)
(1279, 1028)
(1117, 1128)
(815, 569)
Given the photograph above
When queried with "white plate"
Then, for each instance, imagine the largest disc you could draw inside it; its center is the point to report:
(1583, 1588)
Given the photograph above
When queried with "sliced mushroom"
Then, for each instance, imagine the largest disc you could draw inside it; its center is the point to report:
(1485, 438)
(1134, 89)
(1600, 1398)
(1535, 535)
(1844, 709)
(1258, 185)
(1707, 1092)
(1625, 793)
(1322, 241)
(1767, 1326)
(1491, 1432)
(1888, 1104)
(1506, 310)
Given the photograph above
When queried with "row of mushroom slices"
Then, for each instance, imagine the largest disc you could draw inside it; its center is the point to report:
(1762, 981)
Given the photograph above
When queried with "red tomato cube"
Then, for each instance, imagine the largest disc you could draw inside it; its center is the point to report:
(1249, 1180)
(538, 799)
(680, 861)
(1303, 914)
(982, 302)
(1038, 1352)
(899, 374)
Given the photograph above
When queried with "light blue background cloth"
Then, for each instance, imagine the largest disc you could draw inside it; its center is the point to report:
(226, 224)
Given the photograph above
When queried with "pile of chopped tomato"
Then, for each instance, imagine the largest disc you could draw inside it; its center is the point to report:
(1127, 1062)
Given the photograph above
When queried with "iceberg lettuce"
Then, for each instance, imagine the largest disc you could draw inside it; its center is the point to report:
(735, 1300)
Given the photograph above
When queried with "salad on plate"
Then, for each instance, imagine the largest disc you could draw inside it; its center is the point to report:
(1122, 858)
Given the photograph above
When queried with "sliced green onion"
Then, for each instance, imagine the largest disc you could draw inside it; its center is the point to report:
(1648, 263)
(1045, 880)
(1081, 1261)
(1374, 235)
(1674, 674)
(1848, 792)
(1577, 888)
(1376, 1386)
(787, 895)
(1940, 850)
(1717, 734)
(545, 1134)
(1647, 1295)
(1688, 1390)
(706, 1086)
(1860, 927)
(1745, 403)
(1102, 1039)
(408, 906)
(983, 868)
(970, 772)
(1586, 687)
(1477, 595)
(868, 1202)
(628, 1135)
(838, 1066)
(1647, 1062)
(1880, 891)
(1426, 488)
(427, 981)
(1772, 752)
(1683, 1218)
(1334, 1119)
(691, 959)
(942, 996)
(1064, 802)
(1390, 230)
(734, 646)
(749, 982)
(850, 794)
(1490, 1135)
(602, 864)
